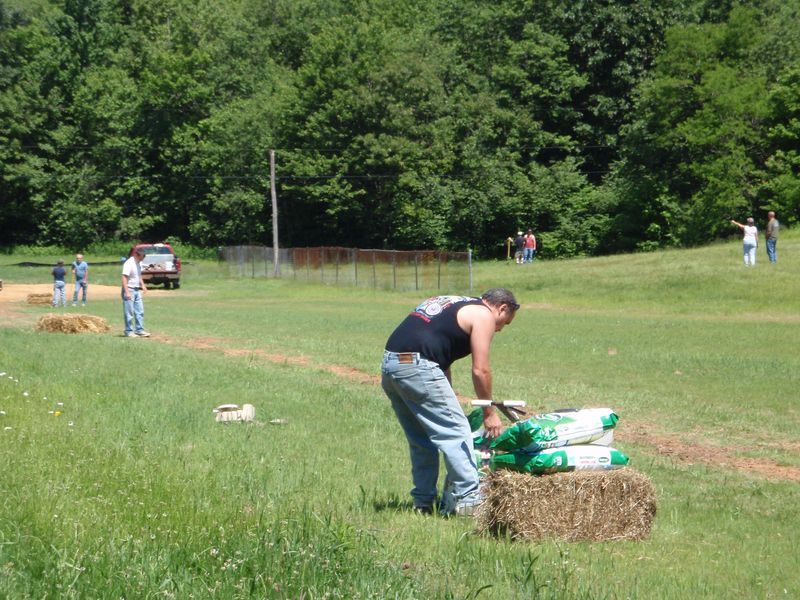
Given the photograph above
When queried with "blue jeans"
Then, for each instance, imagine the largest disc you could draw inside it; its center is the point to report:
(59, 293)
(772, 253)
(80, 283)
(133, 310)
(529, 254)
(433, 422)
(750, 254)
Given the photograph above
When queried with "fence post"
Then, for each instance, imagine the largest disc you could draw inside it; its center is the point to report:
(253, 263)
(322, 265)
(394, 269)
(374, 276)
(469, 261)
(416, 271)
(355, 265)
(336, 280)
(439, 270)
(274, 196)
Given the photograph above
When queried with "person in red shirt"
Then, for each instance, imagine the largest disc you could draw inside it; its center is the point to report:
(530, 247)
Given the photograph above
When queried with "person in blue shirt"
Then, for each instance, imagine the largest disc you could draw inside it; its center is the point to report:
(59, 285)
(80, 275)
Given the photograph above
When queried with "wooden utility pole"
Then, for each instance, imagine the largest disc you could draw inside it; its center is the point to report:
(276, 257)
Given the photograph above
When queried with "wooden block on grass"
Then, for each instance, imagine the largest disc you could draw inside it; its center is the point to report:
(619, 504)
(40, 298)
(72, 324)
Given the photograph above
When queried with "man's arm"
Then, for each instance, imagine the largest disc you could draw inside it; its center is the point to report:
(481, 334)
(125, 291)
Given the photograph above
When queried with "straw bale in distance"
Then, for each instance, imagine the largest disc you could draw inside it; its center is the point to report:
(72, 324)
(40, 298)
(577, 506)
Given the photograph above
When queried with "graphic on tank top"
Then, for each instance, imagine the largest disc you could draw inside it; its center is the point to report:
(432, 307)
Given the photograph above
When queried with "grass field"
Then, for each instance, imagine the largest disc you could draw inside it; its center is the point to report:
(134, 491)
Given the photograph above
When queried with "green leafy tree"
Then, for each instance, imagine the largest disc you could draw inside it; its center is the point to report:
(694, 156)
(781, 191)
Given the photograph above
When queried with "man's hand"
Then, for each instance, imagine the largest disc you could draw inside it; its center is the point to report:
(492, 424)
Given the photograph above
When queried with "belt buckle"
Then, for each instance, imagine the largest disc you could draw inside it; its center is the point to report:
(406, 358)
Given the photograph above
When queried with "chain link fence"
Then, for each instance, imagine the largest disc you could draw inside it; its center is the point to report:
(385, 269)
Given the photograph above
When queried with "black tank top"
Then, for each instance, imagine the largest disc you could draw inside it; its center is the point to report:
(432, 330)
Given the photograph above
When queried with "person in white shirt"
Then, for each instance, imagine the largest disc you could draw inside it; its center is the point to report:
(133, 289)
(750, 240)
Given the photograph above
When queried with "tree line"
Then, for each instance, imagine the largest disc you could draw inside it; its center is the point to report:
(605, 126)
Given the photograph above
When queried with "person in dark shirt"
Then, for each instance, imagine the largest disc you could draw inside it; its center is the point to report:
(772, 236)
(416, 378)
(59, 285)
(519, 245)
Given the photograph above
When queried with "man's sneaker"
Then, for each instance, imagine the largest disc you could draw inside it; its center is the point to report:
(74, 304)
(142, 334)
(423, 510)
(468, 506)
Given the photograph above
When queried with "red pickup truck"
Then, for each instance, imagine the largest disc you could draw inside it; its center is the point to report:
(160, 265)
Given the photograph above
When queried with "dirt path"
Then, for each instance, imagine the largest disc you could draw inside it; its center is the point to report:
(664, 444)
(14, 296)
(18, 292)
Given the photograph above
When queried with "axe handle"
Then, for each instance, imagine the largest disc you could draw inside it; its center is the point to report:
(512, 413)
(511, 409)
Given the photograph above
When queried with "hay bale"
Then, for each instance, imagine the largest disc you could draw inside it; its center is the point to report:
(72, 324)
(40, 298)
(577, 506)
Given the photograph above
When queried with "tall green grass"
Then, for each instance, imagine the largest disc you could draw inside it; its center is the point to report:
(134, 490)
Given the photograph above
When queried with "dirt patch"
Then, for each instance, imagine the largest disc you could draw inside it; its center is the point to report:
(17, 292)
(221, 344)
(714, 456)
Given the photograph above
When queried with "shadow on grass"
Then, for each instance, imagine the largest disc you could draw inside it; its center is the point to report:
(393, 504)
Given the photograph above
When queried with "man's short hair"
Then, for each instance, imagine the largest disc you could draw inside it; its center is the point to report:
(498, 296)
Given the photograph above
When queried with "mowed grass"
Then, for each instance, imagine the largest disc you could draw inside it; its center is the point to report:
(134, 490)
